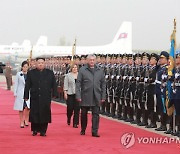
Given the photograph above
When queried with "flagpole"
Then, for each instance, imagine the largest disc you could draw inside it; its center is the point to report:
(73, 50)
(30, 55)
(174, 37)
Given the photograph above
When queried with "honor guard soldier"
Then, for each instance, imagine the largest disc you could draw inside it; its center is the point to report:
(118, 86)
(131, 88)
(112, 87)
(107, 80)
(176, 92)
(151, 98)
(137, 95)
(68, 62)
(83, 61)
(103, 66)
(124, 74)
(143, 88)
(161, 79)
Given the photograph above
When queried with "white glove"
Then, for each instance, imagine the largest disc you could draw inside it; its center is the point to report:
(164, 76)
(177, 75)
(112, 76)
(130, 77)
(137, 78)
(174, 91)
(145, 79)
(124, 77)
(117, 77)
(106, 76)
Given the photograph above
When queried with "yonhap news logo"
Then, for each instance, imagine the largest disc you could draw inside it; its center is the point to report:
(128, 140)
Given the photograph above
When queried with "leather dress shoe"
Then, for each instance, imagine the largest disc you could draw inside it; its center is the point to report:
(175, 133)
(161, 128)
(133, 122)
(106, 113)
(42, 134)
(129, 120)
(151, 126)
(169, 131)
(136, 122)
(34, 133)
(95, 135)
(82, 132)
(75, 126)
(68, 122)
(101, 112)
(178, 135)
(143, 124)
(110, 115)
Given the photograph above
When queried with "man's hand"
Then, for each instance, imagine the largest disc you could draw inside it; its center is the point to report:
(102, 100)
(79, 100)
(65, 96)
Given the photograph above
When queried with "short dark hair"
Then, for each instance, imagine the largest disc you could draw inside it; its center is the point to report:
(24, 63)
(40, 58)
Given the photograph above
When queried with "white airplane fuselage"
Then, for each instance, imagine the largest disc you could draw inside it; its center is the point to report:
(122, 43)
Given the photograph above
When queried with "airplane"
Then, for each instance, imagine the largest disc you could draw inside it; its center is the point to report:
(122, 43)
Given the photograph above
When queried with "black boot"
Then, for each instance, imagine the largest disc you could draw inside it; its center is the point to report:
(137, 119)
(124, 117)
(130, 113)
(170, 130)
(161, 128)
(153, 121)
(144, 121)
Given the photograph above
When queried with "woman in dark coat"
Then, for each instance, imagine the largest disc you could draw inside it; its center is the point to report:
(42, 85)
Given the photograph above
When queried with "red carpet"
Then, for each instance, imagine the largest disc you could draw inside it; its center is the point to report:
(62, 138)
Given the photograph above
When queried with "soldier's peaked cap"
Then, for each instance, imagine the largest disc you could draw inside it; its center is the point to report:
(155, 56)
(164, 54)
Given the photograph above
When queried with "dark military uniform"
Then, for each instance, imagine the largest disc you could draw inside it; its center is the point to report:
(137, 99)
(160, 88)
(151, 98)
(176, 96)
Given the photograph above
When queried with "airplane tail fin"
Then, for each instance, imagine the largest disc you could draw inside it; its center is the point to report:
(26, 43)
(123, 38)
(42, 41)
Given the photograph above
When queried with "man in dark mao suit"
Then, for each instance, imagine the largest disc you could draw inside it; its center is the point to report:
(90, 93)
(42, 86)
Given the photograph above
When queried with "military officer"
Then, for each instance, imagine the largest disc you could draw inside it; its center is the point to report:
(161, 80)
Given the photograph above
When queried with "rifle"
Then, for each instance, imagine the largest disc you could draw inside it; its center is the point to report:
(144, 98)
(107, 80)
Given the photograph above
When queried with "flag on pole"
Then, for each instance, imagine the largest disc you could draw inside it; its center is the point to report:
(171, 66)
